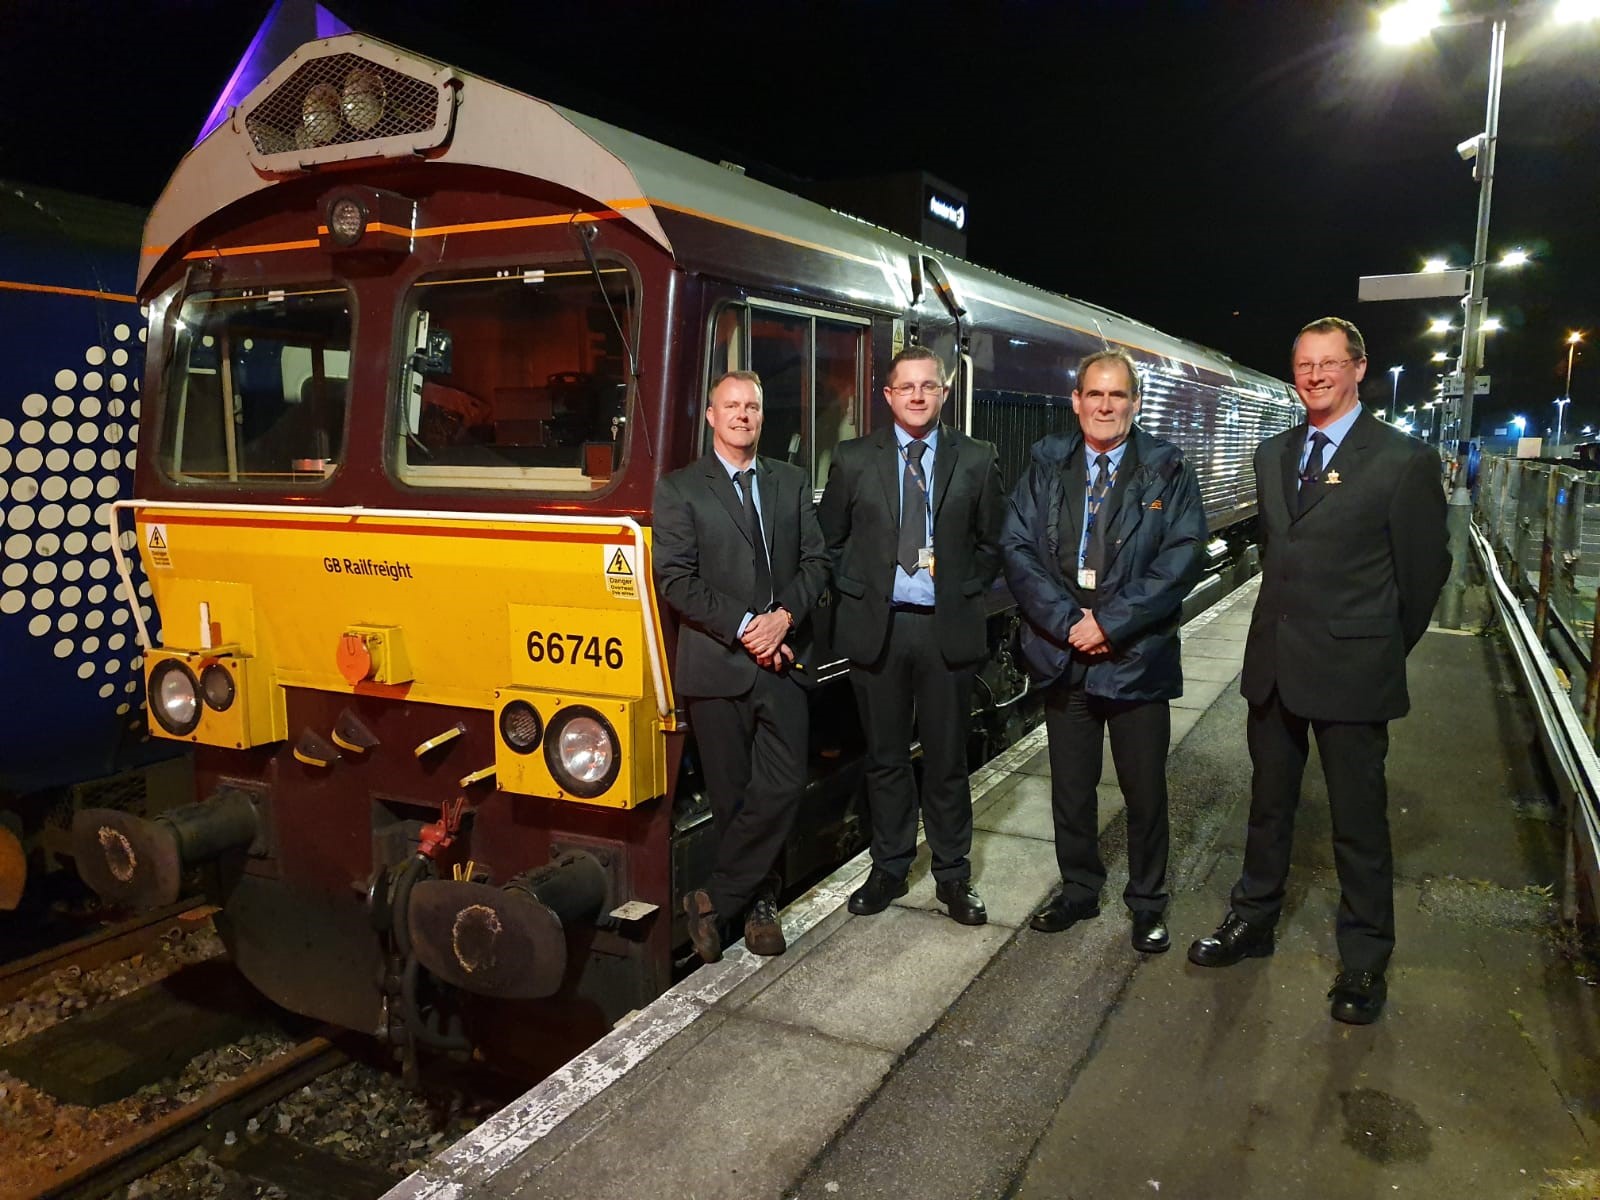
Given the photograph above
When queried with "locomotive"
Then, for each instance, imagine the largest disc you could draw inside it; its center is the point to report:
(420, 347)
(73, 351)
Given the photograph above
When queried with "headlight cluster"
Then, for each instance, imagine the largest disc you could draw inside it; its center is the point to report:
(581, 747)
(176, 695)
(359, 103)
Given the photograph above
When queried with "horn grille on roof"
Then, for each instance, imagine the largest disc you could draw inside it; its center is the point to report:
(328, 104)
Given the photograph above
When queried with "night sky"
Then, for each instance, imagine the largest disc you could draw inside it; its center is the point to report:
(1222, 171)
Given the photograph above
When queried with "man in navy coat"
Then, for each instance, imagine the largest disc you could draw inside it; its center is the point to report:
(1102, 540)
(1353, 555)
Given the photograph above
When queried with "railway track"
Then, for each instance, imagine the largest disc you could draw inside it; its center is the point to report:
(108, 945)
(227, 1106)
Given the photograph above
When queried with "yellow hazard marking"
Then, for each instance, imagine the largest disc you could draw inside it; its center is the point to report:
(618, 564)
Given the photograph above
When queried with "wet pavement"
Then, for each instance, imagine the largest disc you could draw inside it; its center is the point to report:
(903, 1055)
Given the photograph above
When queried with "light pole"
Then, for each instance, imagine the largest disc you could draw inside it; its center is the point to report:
(1572, 344)
(1561, 409)
(1394, 397)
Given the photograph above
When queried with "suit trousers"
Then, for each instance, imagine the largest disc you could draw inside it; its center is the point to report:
(1141, 731)
(753, 752)
(1352, 756)
(912, 686)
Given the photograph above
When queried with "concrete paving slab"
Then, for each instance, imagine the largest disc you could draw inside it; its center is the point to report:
(1024, 811)
(1201, 693)
(1183, 720)
(736, 1118)
(1226, 649)
(881, 980)
(1200, 667)
(1012, 874)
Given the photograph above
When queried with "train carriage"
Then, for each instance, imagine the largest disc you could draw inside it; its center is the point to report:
(420, 347)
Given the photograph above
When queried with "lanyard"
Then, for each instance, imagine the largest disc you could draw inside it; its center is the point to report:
(1093, 498)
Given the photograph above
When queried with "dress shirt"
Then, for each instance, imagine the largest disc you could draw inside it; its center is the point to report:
(1089, 456)
(1335, 433)
(755, 493)
(918, 588)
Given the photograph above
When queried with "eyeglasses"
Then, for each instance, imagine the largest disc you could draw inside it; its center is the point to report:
(927, 387)
(1323, 367)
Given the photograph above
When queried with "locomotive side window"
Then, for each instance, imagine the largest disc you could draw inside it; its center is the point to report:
(811, 371)
(516, 377)
(256, 388)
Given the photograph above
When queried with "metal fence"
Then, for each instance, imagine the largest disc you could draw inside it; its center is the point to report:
(1543, 522)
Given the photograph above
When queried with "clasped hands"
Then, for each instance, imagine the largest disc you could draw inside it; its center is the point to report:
(763, 639)
(1087, 638)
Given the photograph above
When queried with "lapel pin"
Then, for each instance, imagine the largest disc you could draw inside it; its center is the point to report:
(1333, 477)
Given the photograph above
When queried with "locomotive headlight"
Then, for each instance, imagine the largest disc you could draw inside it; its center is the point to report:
(347, 220)
(520, 726)
(216, 685)
(319, 116)
(175, 697)
(581, 750)
(362, 99)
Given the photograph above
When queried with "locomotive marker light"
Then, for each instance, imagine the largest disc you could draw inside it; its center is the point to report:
(347, 220)
(521, 727)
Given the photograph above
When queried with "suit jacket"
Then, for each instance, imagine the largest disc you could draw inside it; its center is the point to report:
(1350, 573)
(705, 569)
(1155, 530)
(860, 516)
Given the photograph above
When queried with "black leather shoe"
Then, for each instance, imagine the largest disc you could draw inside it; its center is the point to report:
(962, 902)
(875, 894)
(1358, 996)
(703, 930)
(1062, 913)
(1235, 940)
(1150, 933)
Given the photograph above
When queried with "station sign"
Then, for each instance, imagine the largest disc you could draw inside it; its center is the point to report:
(1417, 285)
(1455, 384)
(946, 210)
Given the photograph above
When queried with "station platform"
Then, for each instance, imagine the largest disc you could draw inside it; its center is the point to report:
(903, 1055)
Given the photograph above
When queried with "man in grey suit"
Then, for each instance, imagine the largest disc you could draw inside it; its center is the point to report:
(740, 559)
(1353, 555)
(912, 520)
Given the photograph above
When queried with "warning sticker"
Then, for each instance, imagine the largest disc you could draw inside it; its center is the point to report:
(155, 546)
(622, 581)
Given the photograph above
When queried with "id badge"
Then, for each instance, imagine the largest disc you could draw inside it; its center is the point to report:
(1086, 578)
(925, 559)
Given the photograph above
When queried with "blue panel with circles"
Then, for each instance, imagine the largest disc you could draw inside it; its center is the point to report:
(71, 357)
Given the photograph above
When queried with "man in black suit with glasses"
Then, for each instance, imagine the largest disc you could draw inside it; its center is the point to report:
(911, 515)
(1353, 556)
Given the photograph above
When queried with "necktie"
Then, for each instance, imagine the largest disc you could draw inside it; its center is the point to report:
(1311, 473)
(762, 600)
(1094, 557)
(913, 508)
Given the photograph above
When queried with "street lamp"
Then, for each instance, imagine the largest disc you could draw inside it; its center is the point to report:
(1394, 399)
(1561, 409)
(1521, 422)
(1573, 339)
(1408, 21)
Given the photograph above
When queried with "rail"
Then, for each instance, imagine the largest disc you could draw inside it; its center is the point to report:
(1537, 533)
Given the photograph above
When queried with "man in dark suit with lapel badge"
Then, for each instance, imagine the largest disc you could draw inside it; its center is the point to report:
(1102, 542)
(1353, 555)
(739, 557)
(911, 515)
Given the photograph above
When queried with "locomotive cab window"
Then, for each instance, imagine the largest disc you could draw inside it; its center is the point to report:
(256, 386)
(811, 369)
(516, 378)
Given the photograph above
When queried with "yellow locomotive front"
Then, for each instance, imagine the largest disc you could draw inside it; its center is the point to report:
(394, 485)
